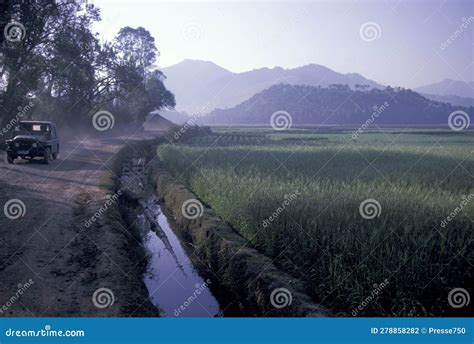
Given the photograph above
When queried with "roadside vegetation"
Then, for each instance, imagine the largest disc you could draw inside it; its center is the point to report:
(296, 196)
(54, 67)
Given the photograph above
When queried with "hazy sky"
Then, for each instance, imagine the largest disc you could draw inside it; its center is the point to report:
(410, 48)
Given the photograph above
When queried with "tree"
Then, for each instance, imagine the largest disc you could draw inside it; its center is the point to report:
(50, 55)
(340, 87)
(140, 90)
(72, 67)
(136, 47)
(34, 31)
(158, 97)
(361, 87)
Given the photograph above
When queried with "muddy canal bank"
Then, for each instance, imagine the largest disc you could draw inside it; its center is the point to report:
(197, 265)
(251, 278)
(177, 286)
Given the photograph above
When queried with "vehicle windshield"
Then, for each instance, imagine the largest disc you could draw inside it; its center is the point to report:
(36, 129)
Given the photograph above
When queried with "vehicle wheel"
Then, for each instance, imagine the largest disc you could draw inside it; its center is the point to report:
(56, 154)
(10, 159)
(46, 156)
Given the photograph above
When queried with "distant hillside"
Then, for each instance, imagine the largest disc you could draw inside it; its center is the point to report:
(201, 86)
(448, 87)
(338, 105)
(453, 100)
(189, 81)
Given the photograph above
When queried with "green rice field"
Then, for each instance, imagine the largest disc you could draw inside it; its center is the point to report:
(375, 225)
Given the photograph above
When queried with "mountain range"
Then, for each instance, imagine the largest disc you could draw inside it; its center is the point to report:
(452, 99)
(448, 87)
(219, 96)
(335, 105)
(201, 86)
(449, 91)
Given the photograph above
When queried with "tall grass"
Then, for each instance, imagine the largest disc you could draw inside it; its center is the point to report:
(296, 198)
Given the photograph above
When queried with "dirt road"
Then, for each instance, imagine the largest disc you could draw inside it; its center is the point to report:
(51, 263)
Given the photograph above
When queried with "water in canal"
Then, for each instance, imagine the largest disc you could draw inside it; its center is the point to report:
(174, 284)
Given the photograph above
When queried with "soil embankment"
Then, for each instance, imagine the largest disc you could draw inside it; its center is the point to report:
(245, 282)
(252, 279)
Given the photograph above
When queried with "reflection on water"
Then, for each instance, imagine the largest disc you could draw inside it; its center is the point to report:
(173, 283)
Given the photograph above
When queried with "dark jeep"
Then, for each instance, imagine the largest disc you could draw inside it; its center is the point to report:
(33, 139)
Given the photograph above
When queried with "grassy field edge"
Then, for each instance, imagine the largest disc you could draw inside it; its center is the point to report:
(249, 275)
